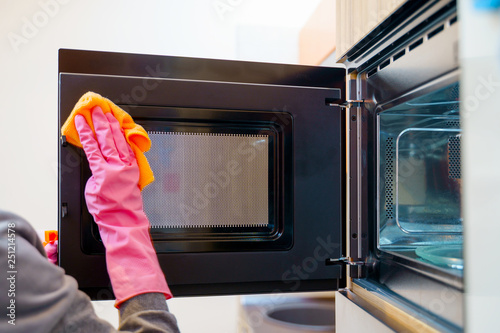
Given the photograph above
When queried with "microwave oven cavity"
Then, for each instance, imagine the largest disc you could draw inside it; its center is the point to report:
(419, 179)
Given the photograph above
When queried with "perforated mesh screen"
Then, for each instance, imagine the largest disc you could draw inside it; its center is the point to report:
(205, 180)
(389, 177)
(454, 158)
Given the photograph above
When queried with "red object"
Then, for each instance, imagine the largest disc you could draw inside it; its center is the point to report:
(50, 237)
(50, 245)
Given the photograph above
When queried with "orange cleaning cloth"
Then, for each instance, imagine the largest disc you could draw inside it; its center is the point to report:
(135, 134)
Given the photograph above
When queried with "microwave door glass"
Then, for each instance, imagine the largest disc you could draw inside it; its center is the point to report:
(208, 180)
(220, 179)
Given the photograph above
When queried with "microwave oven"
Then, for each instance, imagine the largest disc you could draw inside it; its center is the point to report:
(279, 178)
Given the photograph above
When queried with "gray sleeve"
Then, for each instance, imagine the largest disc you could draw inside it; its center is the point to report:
(38, 297)
(147, 313)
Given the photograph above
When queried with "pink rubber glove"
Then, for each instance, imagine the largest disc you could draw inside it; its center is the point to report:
(114, 200)
(51, 250)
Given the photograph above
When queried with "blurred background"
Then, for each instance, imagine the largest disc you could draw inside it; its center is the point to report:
(33, 31)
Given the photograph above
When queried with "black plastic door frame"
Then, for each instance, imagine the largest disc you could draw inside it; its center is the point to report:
(317, 174)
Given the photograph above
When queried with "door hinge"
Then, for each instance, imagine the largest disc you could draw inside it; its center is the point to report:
(352, 103)
(344, 261)
(346, 104)
(333, 102)
(357, 190)
(356, 268)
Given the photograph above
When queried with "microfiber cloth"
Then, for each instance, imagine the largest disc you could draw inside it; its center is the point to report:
(135, 134)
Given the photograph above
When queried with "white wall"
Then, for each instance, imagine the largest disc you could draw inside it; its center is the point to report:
(31, 33)
(28, 81)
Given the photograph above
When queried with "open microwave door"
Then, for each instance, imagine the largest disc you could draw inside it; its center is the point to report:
(249, 163)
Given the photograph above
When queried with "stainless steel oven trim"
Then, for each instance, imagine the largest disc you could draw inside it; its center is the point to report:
(357, 183)
(377, 192)
(359, 175)
(434, 58)
(416, 316)
(426, 88)
(417, 19)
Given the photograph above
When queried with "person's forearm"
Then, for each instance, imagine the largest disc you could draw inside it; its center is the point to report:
(148, 312)
(114, 200)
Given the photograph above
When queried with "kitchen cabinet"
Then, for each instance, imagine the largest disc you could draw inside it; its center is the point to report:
(355, 18)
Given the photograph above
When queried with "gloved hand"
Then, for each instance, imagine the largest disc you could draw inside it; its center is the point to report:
(114, 200)
(51, 250)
